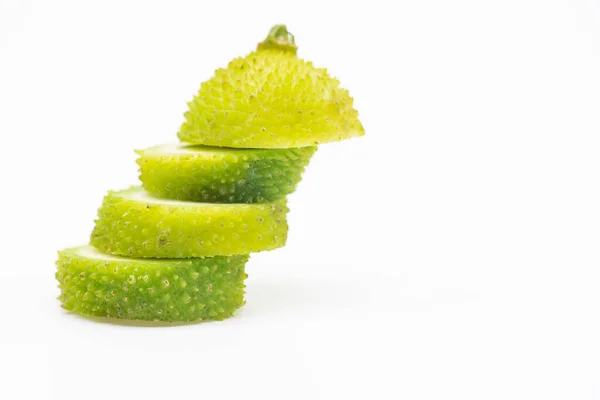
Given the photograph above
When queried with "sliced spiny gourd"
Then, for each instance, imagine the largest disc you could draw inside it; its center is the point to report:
(222, 175)
(96, 284)
(134, 223)
(270, 99)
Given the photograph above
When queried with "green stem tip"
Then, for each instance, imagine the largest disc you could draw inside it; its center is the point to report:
(279, 38)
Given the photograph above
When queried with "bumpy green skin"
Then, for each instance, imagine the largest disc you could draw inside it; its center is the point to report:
(151, 227)
(222, 175)
(197, 289)
(270, 99)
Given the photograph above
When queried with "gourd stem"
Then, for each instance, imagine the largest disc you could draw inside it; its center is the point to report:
(279, 38)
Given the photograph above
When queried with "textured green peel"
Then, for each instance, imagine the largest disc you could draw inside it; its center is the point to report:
(270, 99)
(96, 284)
(222, 175)
(134, 223)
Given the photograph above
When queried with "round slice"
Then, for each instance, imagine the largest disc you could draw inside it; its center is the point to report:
(134, 223)
(222, 175)
(96, 284)
(270, 99)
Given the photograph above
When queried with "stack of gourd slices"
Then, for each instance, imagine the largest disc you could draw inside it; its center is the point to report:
(175, 250)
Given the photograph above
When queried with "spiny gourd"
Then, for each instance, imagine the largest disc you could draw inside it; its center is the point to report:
(197, 289)
(176, 250)
(222, 175)
(134, 223)
(270, 99)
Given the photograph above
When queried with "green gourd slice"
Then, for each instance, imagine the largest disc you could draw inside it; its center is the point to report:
(196, 289)
(270, 99)
(222, 175)
(133, 223)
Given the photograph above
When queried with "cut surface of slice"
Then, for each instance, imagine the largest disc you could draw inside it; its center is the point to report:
(197, 289)
(222, 175)
(133, 223)
(270, 99)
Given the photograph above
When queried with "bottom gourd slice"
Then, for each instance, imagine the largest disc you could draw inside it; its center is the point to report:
(199, 289)
(133, 223)
(222, 175)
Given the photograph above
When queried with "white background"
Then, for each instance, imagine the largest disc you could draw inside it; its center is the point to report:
(451, 253)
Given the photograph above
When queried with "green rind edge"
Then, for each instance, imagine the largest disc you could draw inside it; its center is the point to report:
(191, 290)
(208, 174)
(136, 228)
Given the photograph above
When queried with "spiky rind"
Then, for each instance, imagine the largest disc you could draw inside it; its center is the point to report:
(270, 99)
(196, 289)
(222, 175)
(133, 223)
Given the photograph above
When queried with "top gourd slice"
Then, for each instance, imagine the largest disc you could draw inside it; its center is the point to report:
(270, 99)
